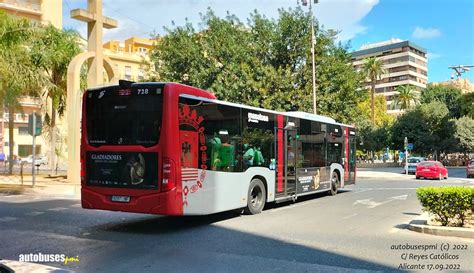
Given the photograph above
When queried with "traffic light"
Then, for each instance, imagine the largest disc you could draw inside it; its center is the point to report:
(38, 123)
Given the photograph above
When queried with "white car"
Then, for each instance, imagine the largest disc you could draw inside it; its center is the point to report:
(39, 160)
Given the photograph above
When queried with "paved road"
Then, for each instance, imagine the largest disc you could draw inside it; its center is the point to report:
(354, 230)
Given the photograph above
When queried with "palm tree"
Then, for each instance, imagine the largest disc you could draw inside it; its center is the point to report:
(406, 97)
(20, 76)
(373, 69)
(53, 50)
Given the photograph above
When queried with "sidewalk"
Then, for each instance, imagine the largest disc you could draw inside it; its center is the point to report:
(420, 224)
(44, 185)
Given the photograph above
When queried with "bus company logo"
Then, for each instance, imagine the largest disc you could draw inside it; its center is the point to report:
(46, 258)
(106, 157)
(101, 94)
(255, 118)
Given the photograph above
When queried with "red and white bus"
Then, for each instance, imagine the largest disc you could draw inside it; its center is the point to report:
(172, 149)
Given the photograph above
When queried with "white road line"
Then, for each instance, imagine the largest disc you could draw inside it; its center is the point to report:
(34, 213)
(364, 190)
(58, 209)
(7, 219)
(374, 189)
(349, 216)
(76, 206)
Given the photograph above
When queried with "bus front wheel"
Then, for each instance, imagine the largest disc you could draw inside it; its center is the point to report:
(256, 197)
(334, 184)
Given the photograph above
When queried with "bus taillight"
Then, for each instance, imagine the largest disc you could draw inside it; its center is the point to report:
(169, 174)
(82, 170)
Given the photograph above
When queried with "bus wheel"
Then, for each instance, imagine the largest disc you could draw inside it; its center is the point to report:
(334, 184)
(256, 197)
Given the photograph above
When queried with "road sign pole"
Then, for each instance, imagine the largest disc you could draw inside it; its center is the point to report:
(406, 155)
(34, 148)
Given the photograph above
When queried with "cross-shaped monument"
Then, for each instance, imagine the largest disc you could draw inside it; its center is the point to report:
(96, 21)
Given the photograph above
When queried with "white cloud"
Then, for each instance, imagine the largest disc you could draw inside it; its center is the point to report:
(142, 17)
(433, 56)
(425, 33)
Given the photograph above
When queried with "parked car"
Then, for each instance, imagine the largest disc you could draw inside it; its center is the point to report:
(412, 163)
(39, 160)
(470, 168)
(431, 169)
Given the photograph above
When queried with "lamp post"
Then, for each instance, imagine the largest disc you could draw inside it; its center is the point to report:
(313, 41)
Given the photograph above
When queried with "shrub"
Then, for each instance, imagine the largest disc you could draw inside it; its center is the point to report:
(448, 204)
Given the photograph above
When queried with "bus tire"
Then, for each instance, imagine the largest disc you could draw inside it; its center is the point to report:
(256, 197)
(334, 184)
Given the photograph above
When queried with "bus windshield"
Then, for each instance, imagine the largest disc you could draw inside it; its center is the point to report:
(124, 117)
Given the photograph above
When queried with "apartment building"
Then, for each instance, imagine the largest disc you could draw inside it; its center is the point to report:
(405, 63)
(40, 11)
(130, 57)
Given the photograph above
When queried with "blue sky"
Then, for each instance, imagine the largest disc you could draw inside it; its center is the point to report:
(445, 28)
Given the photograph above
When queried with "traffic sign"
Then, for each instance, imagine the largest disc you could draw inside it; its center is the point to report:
(410, 146)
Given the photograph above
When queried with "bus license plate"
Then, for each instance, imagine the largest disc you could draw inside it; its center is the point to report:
(121, 199)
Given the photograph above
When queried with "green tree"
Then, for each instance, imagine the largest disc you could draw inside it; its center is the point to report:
(406, 97)
(373, 69)
(19, 76)
(426, 126)
(382, 118)
(52, 51)
(264, 63)
(467, 105)
(447, 94)
(464, 132)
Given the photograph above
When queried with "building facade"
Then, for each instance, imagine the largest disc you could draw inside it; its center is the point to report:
(404, 63)
(39, 11)
(130, 57)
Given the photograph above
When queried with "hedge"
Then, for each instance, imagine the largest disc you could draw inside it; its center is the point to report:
(448, 204)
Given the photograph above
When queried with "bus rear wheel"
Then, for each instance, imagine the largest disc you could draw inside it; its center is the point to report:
(334, 184)
(256, 197)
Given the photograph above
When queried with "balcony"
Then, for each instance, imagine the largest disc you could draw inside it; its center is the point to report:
(21, 6)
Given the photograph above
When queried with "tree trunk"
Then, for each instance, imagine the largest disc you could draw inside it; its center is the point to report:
(11, 125)
(372, 96)
(52, 154)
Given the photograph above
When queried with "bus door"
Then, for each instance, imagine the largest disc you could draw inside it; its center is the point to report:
(290, 151)
(352, 159)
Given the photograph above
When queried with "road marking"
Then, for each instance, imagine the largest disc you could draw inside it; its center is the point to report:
(372, 204)
(58, 209)
(7, 219)
(364, 190)
(34, 213)
(374, 189)
(75, 206)
(349, 216)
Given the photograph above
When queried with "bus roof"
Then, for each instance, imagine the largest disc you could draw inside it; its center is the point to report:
(296, 114)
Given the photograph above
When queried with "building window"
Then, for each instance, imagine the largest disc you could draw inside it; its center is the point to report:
(128, 73)
(23, 130)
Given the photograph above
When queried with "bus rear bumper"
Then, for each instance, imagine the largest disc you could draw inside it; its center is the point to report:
(163, 203)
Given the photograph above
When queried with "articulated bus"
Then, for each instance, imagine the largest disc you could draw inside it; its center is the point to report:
(172, 149)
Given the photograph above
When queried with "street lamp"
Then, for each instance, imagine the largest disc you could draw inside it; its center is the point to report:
(313, 41)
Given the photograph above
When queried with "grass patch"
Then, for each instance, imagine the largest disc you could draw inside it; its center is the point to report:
(10, 189)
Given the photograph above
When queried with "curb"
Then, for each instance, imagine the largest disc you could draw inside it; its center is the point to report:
(419, 225)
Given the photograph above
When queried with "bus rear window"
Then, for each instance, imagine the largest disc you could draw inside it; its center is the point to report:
(124, 117)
